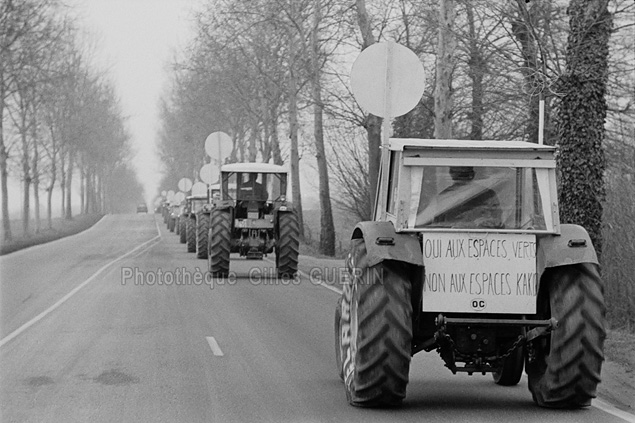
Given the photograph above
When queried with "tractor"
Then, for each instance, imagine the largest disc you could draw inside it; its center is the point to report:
(253, 218)
(466, 256)
(193, 204)
(202, 221)
(174, 210)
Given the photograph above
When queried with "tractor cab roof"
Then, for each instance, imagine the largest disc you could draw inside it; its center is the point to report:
(402, 144)
(253, 168)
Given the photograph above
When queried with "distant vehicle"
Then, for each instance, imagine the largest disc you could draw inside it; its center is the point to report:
(142, 208)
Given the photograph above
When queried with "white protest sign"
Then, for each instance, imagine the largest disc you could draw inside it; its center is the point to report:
(479, 273)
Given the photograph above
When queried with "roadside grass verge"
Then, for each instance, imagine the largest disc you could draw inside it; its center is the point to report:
(61, 228)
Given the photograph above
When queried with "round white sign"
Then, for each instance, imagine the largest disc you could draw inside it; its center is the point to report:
(185, 184)
(170, 195)
(209, 173)
(218, 146)
(199, 188)
(387, 79)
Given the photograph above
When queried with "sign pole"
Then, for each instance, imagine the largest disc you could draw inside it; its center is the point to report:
(386, 129)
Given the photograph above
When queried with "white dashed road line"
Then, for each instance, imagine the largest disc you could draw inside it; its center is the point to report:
(214, 346)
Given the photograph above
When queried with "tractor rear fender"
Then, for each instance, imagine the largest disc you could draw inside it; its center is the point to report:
(383, 243)
(572, 246)
(224, 204)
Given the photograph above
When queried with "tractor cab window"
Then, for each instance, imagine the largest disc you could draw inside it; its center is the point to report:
(251, 186)
(197, 205)
(478, 198)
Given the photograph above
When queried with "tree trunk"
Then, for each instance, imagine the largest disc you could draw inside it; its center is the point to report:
(82, 188)
(580, 126)
(36, 180)
(327, 234)
(265, 145)
(476, 72)
(51, 186)
(26, 175)
(4, 173)
(63, 182)
(49, 204)
(521, 28)
(372, 123)
(68, 213)
(292, 93)
(252, 149)
(445, 65)
(275, 141)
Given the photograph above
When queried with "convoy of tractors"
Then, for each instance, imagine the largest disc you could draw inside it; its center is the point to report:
(465, 255)
(246, 213)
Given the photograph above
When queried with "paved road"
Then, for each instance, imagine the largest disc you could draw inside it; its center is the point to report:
(124, 347)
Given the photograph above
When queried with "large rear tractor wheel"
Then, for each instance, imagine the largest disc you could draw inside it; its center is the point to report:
(375, 333)
(564, 368)
(182, 229)
(287, 245)
(219, 243)
(190, 234)
(202, 226)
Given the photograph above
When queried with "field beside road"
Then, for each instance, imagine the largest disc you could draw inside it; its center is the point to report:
(61, 228)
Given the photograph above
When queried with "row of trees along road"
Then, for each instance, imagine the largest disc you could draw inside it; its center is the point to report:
(274, 75)
(60, 118)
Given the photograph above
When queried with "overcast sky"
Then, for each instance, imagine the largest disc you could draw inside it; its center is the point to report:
(135, 40)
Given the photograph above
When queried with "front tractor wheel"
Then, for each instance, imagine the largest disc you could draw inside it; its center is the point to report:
(202, 226)
(219, 243)
(375, 331)
(564, 369)
(190, 233)
(182, 230)
(287, 245)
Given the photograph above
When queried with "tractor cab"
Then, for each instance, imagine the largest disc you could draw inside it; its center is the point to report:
(254, 189)
(458, 185)
(194, 203)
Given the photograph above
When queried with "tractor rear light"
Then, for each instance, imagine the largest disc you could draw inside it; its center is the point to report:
(577, 243)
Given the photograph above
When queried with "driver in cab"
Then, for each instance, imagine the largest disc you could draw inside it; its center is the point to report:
(253, 190)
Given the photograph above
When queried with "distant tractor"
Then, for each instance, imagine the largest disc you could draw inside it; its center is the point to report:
(193, 204)
(173, 216)
(203, 219)
(253, 218)
(466, 256)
